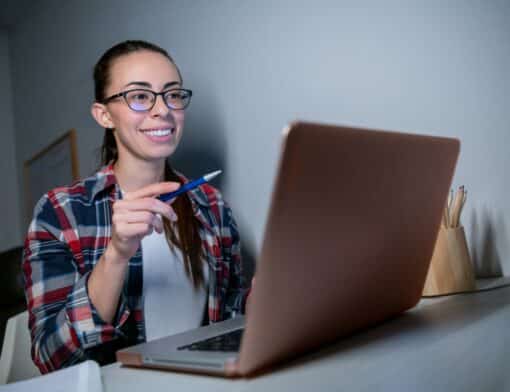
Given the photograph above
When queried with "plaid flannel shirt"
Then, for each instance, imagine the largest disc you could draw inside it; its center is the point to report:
(68, 235)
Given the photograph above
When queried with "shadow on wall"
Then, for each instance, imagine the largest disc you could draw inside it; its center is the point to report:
(486, 234)
(203, 149)
(203, 146)
(247, 255)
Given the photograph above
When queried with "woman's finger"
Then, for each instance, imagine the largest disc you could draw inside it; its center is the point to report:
(136, 217)
(146, 204)
(129, 230)
(152, 190)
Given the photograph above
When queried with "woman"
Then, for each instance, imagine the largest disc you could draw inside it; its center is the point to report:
(107, 264)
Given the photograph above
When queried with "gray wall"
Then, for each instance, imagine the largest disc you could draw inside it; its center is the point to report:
(432, 67)
(10, 234)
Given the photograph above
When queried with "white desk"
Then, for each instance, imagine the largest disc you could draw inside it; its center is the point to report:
(456, 343)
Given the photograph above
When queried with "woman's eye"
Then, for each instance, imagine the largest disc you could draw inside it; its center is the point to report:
(141, 97)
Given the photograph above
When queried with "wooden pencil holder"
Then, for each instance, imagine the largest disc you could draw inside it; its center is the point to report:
(451, 270)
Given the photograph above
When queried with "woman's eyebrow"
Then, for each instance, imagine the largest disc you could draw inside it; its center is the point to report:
(147, 84)
(170, 84)
(144, 84)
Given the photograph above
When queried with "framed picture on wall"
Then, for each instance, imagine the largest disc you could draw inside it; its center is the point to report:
(55, 165)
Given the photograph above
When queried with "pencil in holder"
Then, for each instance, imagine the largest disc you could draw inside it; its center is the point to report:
(451, 270)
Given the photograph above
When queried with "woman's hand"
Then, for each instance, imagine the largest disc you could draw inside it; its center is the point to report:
(133, 218)
(137, 215)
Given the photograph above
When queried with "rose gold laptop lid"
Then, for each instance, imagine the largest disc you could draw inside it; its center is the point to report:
(350, 232)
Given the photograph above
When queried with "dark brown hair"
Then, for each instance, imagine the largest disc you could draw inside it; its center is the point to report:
(187, 238)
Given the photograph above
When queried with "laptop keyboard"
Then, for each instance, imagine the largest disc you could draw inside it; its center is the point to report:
(230, 341)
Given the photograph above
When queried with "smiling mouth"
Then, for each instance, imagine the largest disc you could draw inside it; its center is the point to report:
(160, 132)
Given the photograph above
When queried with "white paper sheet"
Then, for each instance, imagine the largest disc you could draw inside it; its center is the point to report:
(84, 377)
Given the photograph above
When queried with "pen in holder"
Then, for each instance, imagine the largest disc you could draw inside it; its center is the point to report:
(450, 269)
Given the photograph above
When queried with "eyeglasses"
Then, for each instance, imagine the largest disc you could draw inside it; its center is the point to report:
(142, 100)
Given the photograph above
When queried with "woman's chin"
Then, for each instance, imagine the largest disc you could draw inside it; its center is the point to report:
(161, 154)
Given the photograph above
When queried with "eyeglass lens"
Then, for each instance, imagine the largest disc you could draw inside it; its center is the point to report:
(142, 100)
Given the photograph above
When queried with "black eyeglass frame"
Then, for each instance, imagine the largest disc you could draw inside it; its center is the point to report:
(162, 93)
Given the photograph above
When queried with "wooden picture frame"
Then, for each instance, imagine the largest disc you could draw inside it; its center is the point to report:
(55, 165)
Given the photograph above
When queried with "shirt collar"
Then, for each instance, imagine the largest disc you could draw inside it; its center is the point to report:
(103, 180)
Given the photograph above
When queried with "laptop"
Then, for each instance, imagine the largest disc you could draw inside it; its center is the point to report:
(350, 232)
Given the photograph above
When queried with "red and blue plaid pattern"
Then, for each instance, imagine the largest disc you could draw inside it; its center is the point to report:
(66, 238)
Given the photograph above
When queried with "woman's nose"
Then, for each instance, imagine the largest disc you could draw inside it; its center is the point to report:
(160, 108)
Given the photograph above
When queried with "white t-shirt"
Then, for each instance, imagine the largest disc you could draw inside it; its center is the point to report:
(171, 303)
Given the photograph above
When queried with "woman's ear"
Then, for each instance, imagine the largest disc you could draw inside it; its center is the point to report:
(101, 115)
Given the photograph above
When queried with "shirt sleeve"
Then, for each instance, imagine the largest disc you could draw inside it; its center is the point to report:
(63, 322)
(237, 291)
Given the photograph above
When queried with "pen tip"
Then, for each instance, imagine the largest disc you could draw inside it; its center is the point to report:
(211, 175)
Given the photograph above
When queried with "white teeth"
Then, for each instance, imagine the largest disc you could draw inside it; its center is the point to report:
(159, 132)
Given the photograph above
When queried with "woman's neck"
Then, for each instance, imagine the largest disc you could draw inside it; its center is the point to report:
(133, 175)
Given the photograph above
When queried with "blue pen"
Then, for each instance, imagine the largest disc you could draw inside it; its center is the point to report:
(188, 186)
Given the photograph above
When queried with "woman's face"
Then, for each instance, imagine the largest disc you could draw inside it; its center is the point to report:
(152, 135)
